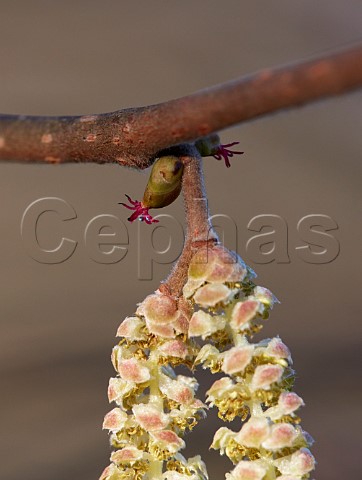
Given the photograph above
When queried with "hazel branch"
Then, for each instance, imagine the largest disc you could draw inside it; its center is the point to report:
(199, 229)
(133, 137)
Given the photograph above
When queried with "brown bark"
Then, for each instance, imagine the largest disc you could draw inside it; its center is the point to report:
(199, 229)
(133, 137)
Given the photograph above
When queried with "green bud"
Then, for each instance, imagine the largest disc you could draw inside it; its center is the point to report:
(207, 146)
(164, 184)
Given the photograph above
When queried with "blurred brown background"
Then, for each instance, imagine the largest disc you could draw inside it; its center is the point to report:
(58, 321)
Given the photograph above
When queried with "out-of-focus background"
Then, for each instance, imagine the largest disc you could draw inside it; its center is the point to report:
(58, 321)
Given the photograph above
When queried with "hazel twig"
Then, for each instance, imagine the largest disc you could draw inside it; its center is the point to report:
(133, 137)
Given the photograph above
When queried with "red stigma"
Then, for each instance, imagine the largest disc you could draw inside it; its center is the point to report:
(223, 151)
(140, 211)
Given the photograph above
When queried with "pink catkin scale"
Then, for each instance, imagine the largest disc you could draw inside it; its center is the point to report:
(244, 312)
(126, 455)
(236, 359)
(290, 402)
(174, 348)
(131, 370)
(265, 375)
(150, 417)
(159, 308)
(114, 420)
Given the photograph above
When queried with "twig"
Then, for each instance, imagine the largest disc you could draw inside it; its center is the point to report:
(133, 137)
(199, 229)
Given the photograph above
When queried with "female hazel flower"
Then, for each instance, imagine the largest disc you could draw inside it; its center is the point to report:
(211, 146)
(140, 211)
(163, 187)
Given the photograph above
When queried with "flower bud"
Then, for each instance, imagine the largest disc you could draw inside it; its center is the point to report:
(164, 184)
(207, 146)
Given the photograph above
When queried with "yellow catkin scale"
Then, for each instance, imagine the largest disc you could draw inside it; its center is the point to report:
(164, 184)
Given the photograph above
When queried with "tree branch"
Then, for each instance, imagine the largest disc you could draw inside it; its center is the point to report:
(133, 137)
(199, 229)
